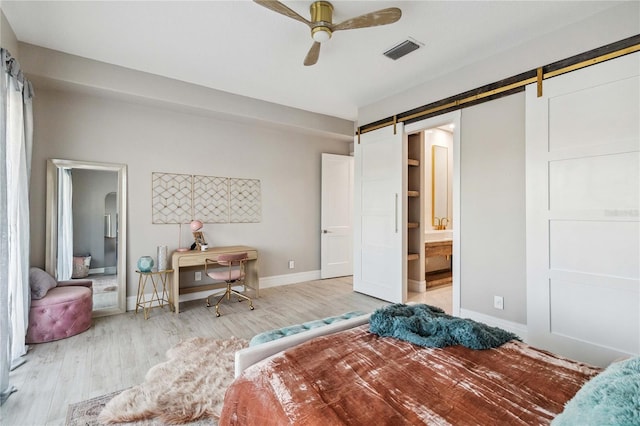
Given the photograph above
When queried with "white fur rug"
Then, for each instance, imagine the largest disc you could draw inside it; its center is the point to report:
(190, 385)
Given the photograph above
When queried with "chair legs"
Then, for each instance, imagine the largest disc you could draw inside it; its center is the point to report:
(228, 294)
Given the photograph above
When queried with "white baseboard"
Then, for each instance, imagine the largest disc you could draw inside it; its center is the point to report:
(278, 280)
(514, 327)
(417, 286)
(265, 282)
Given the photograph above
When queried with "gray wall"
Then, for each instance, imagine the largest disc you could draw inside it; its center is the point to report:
(492, 208)
(148, 139)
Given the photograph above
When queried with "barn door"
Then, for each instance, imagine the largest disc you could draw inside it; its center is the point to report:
(379, 215)
(583, 212)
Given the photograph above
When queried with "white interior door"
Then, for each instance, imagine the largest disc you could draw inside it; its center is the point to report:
(583, 212)
(336, 254)
(380, 245)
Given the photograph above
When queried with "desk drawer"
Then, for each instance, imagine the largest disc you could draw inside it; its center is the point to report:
(198, 260)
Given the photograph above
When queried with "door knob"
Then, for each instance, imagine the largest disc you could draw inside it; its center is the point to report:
(325, 231)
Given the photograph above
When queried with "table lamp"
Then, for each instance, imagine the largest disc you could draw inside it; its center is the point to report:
(195, 225)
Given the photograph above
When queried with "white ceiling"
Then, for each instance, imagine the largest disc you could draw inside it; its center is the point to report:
(243, 48)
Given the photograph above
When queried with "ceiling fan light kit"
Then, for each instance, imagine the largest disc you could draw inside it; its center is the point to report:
(321, 33)
(321, 17)
(322, 26)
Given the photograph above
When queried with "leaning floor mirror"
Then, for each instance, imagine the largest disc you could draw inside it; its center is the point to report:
(87, 228)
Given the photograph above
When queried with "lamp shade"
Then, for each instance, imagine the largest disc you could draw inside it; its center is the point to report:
(195, 225)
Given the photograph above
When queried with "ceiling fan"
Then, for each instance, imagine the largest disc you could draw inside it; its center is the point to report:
(322, 27)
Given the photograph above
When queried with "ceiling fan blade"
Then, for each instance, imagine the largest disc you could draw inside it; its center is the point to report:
(276, 6)
(312, 56)
(379, 17)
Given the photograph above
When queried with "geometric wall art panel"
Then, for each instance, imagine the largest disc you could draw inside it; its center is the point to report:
(211, 199)
(244, 201)
(171, 198)
(178, 198)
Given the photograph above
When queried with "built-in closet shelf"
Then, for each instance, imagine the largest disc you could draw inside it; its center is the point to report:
(414, 203)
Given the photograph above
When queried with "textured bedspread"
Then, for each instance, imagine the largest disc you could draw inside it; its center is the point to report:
(358, 378)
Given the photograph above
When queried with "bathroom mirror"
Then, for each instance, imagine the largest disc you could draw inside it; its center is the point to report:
(439, 186)
(86, 228)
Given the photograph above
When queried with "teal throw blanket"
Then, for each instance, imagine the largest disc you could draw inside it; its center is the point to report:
(429, 326)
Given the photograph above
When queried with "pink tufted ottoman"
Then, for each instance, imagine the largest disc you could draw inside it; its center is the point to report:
(64, 311)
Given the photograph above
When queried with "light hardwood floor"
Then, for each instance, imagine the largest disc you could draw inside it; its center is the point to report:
(118, 350)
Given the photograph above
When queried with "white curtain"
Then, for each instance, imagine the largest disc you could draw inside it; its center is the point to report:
(64, 266)
(16, 135)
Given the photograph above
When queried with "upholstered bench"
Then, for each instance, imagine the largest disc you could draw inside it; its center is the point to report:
(253, 354)
(58, 309)
(279, 333)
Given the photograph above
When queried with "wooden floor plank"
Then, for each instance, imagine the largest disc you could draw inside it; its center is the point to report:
(118, 350)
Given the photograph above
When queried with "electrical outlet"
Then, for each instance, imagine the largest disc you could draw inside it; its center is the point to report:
(292, 264)
(498, 302)
(198, 276)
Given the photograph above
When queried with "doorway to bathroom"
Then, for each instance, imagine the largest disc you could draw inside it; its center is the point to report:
(437, 236)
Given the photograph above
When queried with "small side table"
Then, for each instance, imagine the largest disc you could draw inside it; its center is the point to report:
(159, 296)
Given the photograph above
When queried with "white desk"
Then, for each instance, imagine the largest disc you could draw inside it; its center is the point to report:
(182, 259)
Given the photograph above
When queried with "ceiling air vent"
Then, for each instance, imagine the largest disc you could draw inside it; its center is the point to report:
(404, 48)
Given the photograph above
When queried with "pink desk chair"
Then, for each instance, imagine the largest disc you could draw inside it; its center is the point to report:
(232, 273)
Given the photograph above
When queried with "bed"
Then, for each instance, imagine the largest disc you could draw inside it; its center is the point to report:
(345, 374)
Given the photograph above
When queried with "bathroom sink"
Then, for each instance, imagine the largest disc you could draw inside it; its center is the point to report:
(433, 235)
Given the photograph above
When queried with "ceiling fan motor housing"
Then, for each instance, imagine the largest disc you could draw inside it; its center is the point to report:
(321, 22)
(321, 17)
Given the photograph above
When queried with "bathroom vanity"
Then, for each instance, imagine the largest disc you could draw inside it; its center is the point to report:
(439, 248)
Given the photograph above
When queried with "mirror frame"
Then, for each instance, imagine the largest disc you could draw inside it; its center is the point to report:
(438, 171)
(52, 224)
